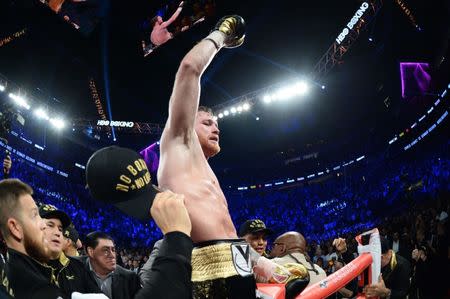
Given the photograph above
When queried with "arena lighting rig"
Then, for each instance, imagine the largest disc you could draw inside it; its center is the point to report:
(22, 102)
(365, 13)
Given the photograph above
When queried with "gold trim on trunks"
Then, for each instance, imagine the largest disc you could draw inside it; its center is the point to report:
(212, 262)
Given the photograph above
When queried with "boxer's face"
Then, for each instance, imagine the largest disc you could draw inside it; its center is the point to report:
(207, 131)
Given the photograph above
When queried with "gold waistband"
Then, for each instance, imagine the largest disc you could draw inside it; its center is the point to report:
(212, 262)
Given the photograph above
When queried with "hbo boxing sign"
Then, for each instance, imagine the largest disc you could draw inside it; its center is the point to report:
(115, 123)
(364, 6)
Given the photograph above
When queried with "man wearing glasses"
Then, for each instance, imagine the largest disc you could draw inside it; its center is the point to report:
(113, 280)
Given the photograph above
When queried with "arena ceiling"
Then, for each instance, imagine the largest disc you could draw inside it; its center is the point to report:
(285, 39)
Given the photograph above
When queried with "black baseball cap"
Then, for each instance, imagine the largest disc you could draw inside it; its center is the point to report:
(253, 226)
(71, 233)
(119, 176)
(51, 212)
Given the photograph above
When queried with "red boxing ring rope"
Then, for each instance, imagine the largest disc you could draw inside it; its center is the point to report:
(338, 279)
(334, 282)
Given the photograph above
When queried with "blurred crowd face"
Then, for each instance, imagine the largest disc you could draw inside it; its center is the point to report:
(258, 241)
(32, 231)
(103, 256)
(395, 236)
(54, 235)
(318, 251)
(320, 262)
(135, 264)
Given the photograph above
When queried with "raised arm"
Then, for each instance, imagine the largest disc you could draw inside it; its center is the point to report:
(184, 101)
(173, 17)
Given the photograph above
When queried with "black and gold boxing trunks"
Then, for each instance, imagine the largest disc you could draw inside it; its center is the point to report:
(221, 269)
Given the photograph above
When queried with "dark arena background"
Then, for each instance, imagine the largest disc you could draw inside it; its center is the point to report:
(333, 118)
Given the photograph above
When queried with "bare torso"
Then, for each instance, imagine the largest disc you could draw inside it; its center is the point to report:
(185, 170)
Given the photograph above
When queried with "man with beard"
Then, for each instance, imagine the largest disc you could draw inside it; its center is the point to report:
(25, 274)
(113, 280)
(70, 274)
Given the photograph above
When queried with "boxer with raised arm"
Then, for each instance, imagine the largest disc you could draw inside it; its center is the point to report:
(222, 264)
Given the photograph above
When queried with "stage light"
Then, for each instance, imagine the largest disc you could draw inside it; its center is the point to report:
(257, 118)
(220, 115)
(246, 106)
(19, 101)
(2, 87)
(233, 110)
(267, 99)
(157, 142)
(114, 139)
(57, 123)
(41, 113)
(239, 109)
(226, 113)
(73, 129)
(284, 93)
(301, 87)
(215, 118)
(370, 39)
(323, 87)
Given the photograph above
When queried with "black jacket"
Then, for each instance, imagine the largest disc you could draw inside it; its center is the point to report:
(29, 279)
(72, 276)
(125, 283)
(397, 280)
(169, 277)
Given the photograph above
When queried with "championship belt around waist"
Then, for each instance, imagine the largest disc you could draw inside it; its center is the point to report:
(220, 259)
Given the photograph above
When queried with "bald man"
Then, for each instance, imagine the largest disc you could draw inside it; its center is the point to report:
(290, 247)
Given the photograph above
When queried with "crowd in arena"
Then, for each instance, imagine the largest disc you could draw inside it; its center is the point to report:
(408, 204)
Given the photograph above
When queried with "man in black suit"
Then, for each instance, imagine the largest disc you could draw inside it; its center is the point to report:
(395, 275)
(113, 280)
(399, 246)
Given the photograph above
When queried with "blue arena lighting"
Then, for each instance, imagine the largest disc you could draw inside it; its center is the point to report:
(38, 146)
(360, 158)
(80, 166)
(393, 140)
(290, 181)
(429, 110)
(311, 176)
(267, 185)
(300, 179)
(442, 117)
(444, 93)
(437, 102)
(320, 173)
(422, 118)
(413, 125)
(279, 183)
